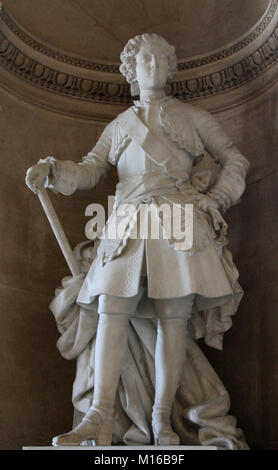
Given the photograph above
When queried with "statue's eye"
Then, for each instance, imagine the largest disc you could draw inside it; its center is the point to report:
(144, 58)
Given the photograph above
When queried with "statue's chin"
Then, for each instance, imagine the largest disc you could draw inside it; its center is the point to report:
(154, 82)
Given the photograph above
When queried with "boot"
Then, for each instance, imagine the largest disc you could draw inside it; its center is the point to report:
(92, 428)
(162, 429)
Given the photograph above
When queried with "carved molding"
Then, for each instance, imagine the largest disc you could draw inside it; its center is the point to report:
(233, 76)
(57, 55)
(183, 64)
(47, 69)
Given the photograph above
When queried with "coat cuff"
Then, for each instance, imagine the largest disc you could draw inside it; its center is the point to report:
(222, 197)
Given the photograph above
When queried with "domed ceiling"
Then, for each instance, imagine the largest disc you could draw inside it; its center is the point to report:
(97, 29)
(64, 54)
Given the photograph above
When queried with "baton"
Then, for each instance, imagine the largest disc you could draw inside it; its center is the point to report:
(58, 232)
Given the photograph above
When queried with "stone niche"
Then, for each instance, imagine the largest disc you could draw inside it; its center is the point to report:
(59, 86)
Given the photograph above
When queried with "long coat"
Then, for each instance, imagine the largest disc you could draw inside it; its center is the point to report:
(149, 174)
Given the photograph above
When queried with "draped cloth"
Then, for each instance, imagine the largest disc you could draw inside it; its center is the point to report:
(202, 402)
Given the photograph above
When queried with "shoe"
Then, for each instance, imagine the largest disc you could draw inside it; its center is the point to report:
(91, 428)
(163, 432)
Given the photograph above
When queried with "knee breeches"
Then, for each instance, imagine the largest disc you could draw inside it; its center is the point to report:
(162, 308)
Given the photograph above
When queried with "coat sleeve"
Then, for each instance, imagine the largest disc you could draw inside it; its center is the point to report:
(67, 176)
(230, 184)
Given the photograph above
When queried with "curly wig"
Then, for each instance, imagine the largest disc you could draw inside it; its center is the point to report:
(128, 57)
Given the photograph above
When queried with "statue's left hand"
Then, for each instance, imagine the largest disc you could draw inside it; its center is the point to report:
(206, 203)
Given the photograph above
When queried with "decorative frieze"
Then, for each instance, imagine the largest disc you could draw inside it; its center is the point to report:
(51, 70)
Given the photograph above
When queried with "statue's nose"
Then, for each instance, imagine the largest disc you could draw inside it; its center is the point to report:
(154, 63)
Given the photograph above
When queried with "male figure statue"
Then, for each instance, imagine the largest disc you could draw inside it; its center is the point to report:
(155, 145)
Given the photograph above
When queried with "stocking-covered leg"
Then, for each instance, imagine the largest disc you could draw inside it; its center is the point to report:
(111, 343)
(170, 355)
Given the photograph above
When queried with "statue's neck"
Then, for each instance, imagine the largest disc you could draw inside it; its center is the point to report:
(147, 95)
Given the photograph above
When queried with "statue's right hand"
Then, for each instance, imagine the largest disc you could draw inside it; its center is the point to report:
(36, 176)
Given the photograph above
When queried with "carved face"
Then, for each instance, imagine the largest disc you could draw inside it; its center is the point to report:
(151, 67)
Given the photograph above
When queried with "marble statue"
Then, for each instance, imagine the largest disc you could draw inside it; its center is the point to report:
(133, 314)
